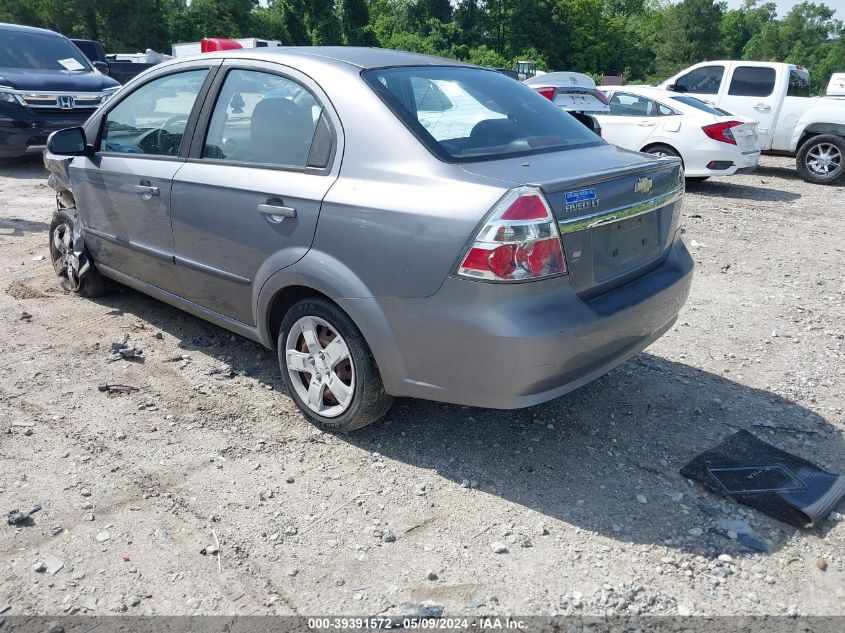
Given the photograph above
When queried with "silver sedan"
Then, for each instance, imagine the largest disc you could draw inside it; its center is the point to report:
(393, 224)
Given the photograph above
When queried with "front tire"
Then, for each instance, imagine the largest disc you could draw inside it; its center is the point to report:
(821, 160)
(71, 260)
(328, 368)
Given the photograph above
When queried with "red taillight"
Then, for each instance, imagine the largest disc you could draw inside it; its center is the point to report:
(519, 241)
(526, 208)
(602, 97)
(548, 92)
(722, 131)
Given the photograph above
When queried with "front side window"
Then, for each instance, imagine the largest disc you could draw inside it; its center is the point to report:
(262, 118)
(703, 80)
(36, 51)
(752, 81)
(626, 104)
(470, 114)
(153, 118)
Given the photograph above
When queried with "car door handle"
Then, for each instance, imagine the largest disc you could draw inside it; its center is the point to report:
(146, 191)
(762, 107)
(276, 213)
(646, 124)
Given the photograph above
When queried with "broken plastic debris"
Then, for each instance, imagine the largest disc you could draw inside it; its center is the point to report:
(741, 532)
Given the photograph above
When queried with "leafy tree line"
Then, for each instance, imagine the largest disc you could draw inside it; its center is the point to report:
(640, 39)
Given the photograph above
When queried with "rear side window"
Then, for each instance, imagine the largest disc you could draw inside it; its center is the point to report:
(470, 114)
(702, 80)
(262, 118)
(152, 120)
(752, 81)
(698, 105)
(799, 83)
(625, 104)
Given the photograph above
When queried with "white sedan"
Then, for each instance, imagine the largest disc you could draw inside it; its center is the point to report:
(710, 142)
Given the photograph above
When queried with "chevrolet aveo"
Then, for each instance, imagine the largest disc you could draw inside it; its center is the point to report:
(393, 224)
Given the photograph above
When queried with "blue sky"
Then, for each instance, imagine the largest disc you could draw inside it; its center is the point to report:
(785, 5)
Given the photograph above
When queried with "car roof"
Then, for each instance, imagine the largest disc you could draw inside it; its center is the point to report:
(26, 29)
(358, 57)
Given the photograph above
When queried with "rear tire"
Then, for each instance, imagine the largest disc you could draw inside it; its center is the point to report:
(662, 151)
(321, 352)
(71, 260)
(821, 159)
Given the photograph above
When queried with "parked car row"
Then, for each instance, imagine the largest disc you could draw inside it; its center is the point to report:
(478, 246)
(777, 96)
(710, 142)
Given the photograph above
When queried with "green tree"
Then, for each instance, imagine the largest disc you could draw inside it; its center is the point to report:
(355, 26)
(690, 35)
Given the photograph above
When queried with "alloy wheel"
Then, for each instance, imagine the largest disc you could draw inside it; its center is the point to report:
(320, 366)
(824, 159)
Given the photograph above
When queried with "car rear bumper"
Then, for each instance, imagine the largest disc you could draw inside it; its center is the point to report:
(508, 346)
(728, 159)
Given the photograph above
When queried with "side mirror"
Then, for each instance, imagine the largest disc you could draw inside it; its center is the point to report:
(103, 67)
(68, 142)
(672, 88)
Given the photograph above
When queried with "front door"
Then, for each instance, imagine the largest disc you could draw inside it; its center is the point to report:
(245, 205)
(123, 192)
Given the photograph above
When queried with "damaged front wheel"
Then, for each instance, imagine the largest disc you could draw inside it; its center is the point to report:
(70, 260)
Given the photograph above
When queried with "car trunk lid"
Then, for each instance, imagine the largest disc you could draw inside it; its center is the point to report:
(617, 211)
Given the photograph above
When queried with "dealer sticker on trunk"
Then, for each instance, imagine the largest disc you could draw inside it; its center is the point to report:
(580, 195)
(581, 199)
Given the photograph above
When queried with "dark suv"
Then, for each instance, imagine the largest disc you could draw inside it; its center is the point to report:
(46, 84)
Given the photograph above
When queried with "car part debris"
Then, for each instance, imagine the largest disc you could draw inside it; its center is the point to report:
(16, 517)
(124, 350)
(768, 479)
(741, 532)
(110, 389)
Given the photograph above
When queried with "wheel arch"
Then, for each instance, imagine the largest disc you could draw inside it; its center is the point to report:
(818, 129)
(309, 278)
(649, 146)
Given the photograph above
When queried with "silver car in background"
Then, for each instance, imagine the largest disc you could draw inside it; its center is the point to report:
(393, 224)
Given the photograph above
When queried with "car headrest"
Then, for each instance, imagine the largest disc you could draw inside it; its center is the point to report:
(493, 132)
(279, 125)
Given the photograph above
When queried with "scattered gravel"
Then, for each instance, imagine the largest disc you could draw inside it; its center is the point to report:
(314, 523)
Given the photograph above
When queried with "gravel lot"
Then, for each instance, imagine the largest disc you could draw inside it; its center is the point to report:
(582, 494)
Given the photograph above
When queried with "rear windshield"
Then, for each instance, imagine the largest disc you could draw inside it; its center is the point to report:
(700, 105)
(34, 51)
(470, 114)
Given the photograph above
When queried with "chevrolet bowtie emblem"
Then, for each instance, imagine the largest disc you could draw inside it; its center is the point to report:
(643, 185)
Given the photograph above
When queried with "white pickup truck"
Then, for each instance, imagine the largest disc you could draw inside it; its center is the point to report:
(777, 96)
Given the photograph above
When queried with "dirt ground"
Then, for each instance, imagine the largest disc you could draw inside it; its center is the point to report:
(583, 492)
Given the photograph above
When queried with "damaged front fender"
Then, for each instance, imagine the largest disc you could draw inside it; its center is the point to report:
(59, 179)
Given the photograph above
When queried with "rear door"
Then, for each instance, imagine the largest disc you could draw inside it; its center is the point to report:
(245, 204)
(751, 93)
(123, 192)
(631, 121)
